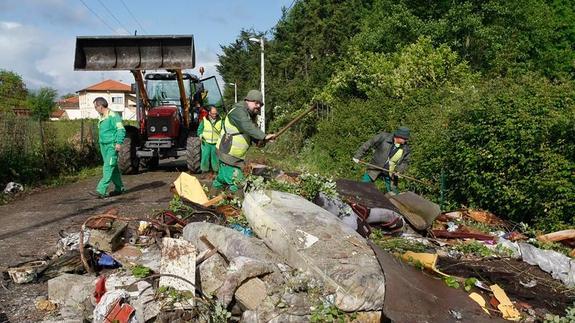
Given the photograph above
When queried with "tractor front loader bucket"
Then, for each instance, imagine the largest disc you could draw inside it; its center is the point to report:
(102, 53)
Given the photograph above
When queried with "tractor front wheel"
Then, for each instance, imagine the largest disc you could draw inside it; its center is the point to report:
(194, 154)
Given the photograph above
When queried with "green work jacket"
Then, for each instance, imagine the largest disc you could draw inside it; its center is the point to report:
(111, 130)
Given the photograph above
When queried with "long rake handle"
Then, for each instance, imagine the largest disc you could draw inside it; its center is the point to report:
(396, 174)
(296, 119)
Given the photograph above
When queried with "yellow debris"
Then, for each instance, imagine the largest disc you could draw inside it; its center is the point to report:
(428, 260)
(188, 187)
(507, 308)
(479, 300)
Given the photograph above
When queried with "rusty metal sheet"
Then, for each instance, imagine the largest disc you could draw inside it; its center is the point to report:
(413, 296)
(444, 234)
(365, 194)
(178, 258)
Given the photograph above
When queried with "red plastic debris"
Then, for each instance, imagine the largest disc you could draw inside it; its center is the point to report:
(100, 289)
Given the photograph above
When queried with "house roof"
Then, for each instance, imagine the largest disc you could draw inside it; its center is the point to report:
(57, 114)
(72, 99)
(109, 85)
(72, 102)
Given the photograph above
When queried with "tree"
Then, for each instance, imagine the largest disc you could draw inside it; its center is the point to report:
(42, 103)
(12, 91)
(68, 95)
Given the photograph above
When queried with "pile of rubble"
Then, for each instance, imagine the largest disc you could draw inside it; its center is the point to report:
(300, 249)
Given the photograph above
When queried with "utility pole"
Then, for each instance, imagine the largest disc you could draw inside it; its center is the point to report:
(235, 91)
(263, 83)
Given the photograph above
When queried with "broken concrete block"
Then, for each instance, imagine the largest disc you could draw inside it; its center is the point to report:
(212, 274)
(311, 238)
(109, 240)
(178, 258)
(251, 293)
(229, 242)
(69, 289)
(241, 269)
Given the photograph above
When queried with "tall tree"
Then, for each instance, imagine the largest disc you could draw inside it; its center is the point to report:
(42, 103)
(12, 91)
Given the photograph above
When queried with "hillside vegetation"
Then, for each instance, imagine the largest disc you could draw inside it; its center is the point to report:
(486, 87)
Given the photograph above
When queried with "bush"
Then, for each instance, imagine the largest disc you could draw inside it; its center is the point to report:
(510, 150)
(504, 144)
(27, 158)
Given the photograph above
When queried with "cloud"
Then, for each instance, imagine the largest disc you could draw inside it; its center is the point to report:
(55, 12)
(45, 59)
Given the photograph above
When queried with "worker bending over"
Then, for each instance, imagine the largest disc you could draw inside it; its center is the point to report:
(392, 153)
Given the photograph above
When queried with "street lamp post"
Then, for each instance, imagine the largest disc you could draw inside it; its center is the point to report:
(235, 91)
(263, 84)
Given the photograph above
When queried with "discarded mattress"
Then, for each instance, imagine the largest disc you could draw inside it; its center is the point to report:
(312, 239)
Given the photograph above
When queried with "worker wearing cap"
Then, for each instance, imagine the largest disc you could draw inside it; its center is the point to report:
(111, 135)
(209, 130)
(239, 130)
(392, 153)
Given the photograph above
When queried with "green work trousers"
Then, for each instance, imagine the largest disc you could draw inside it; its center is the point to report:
(209, 157)
(228, 175)
(110, 171)
(386, 179)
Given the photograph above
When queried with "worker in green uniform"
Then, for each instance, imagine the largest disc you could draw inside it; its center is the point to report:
(238, 132)
(111, 136)
(209, 130)
(392, 153)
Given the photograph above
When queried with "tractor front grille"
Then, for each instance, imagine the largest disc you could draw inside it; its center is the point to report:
(159, 125)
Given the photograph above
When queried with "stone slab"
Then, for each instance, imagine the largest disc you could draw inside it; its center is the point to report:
(178, 258)
(312, 239)
(70, 289)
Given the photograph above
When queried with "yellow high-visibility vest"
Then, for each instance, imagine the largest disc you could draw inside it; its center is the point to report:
(239, 142)
(394, 159)
(211, 132)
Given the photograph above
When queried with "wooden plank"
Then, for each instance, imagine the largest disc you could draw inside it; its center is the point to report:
(557, 236)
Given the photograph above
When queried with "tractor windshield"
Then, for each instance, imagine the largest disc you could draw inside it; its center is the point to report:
(163, 92)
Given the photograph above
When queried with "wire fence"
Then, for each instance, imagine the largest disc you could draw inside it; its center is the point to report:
(32, 150)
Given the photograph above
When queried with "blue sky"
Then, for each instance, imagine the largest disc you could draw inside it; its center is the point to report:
(37, 37)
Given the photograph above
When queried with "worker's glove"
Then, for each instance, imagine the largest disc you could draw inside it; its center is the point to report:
(355, 160)
(270, 137)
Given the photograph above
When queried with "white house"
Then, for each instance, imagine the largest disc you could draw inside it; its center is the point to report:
(118, 95)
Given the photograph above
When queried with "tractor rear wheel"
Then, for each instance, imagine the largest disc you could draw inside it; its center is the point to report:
(127, 159)
(194, 154)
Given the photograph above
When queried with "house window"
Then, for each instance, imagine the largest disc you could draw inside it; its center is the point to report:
(118, 99)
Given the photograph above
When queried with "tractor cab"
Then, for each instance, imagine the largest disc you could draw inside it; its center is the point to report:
(164, 97)
(168, 103)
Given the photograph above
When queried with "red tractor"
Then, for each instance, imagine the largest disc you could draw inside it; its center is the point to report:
(170, 105)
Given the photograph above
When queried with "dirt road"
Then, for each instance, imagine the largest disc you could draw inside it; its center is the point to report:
(29, 226)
